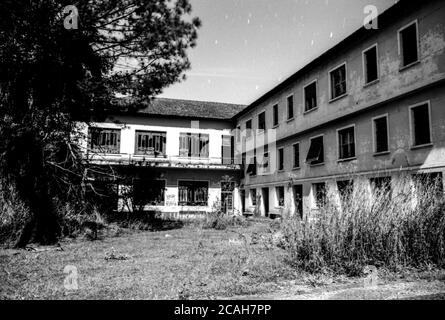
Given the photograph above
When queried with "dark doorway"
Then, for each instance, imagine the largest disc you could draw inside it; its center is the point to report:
(243, 201)
(265, 196)
(298, 199)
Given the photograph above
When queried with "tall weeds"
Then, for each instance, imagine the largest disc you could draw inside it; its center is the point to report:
(398, 228)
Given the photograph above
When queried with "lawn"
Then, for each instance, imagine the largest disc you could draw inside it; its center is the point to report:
(189, 263)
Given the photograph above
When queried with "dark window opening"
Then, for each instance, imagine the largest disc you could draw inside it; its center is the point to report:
(298, 199)
(265, 162)
(252, 167)
(227, 188)
(296, 155)
(381, 185)
(421, 125)
(316, 151)
(346, 143)
(345, 189)
(280, 196)
(290, 107)
(150, 143)
(193, 193)
(148, 192)
(262, 121)
(275, 115)
(253, 196)
(429, 184)
(381, 134)
(371, 65)
(228, 150)
(194, 145)
(408, 39)
(104, 140)
(338, 82)
(104, 194)
(319, 190)
(248, 128)
(281, 159)
(310, 97)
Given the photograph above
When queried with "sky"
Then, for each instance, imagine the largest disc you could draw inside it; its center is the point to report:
(247, 47)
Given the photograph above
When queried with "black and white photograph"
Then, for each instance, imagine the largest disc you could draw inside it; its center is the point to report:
(202, 151)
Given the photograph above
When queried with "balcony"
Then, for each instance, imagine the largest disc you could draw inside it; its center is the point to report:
(162, 161)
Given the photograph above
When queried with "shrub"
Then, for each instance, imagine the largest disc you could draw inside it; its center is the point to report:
(395, 229)
(219, 220)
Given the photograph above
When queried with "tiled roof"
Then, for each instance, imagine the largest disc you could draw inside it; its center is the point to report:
(189, 108)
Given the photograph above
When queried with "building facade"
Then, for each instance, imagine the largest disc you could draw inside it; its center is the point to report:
(367, 111)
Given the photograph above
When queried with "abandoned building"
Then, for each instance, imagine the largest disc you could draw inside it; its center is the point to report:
(368, 110)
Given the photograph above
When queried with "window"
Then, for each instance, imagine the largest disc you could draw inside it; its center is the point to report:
(430, 184)
(408, 44)
(280, 196)
(238, 134)
(193, 193)
(227, 150)
(290, 107)
(346, 143)
(194, 145)
(338, 82)
(227, 188)
(262, 121)
(298, 199)
(248, 128)
(150, 143)
(345, 189)
(252, 167)
(370, 64)
(275, 115)
(381, 136)
(316, 151)
(420, 124)
(148, 192)
(281, 159)
(253, 196)
(319, 190)
(265, 163)
(296, 149)
(310, 96)
(381, 185)
(104, 140)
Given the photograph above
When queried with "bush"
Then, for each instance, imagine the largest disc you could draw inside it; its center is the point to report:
(395, 230)
(220, 220)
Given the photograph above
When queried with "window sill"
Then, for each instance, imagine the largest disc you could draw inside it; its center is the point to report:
(347, 159)
(296, 168)
(317, 164)
(383, 153)
(421, 146)
(290, 119)
(310, 110)
(369, 84)
(261, 131)
(280, 170)
(275, 126)
(338, 98)
(412, 64)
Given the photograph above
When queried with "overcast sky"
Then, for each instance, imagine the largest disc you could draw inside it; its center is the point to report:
(246, 47)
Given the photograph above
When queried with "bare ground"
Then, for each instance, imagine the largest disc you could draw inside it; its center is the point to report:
(191, 263)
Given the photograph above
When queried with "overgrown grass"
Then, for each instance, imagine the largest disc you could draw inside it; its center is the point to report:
(393, 229)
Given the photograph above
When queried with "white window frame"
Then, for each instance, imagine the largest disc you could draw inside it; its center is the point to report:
(411, 127)
(316, 96)
(330, 82)
(293, 107)
(374, 137)
(399, 38)
(338, 143)
(293, 155)
(368, 83)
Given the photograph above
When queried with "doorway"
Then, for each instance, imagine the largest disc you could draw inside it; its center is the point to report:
(265, 196)
(298, 199)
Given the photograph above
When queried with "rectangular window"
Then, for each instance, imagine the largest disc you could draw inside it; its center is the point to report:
(275, 115)
(265, 163)
(253, 196)
(193, 193)
(408, 44)
(262, 121)
(290, 107)
(319, 190)
(338, 82)
(227, 150)
(316, 151)
(381, 136)
(296, 148)
(281, 159)
(370, 64)
(310, 96)
(298, 199)
(104, 140)
(280, 196)
(227, 188)
(150, 143)
(194, 145)
(252, 167)
(346, 143)
(381, 185)
(430, 184)
(420, 124)
(148, 192)
(345, 189)
(248, 128)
